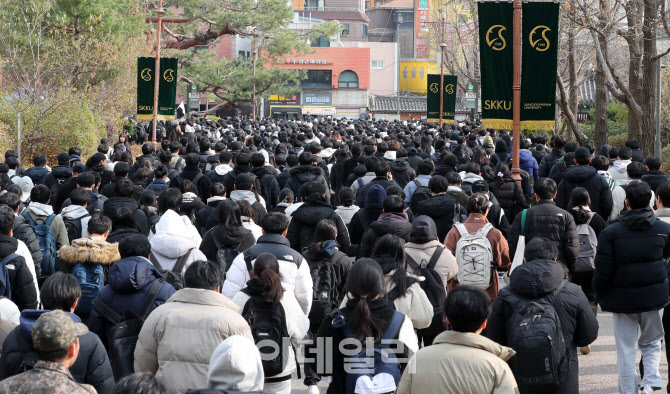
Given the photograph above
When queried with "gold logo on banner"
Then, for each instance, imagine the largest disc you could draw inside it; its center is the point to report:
(146, 74)
(541, 44)
(497, 43)
(168, 75)
(434, 87)
(449, 88)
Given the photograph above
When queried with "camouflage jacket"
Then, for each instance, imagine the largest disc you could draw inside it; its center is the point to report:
(45, 377)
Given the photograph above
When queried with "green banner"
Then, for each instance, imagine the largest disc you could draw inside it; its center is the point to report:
(496, 56)
(167, 88)
(538, 68)
(448, 94)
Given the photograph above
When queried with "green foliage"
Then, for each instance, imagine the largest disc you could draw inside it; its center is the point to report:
(613, 129)
(665, 159)
(616, 112)
(618, 140)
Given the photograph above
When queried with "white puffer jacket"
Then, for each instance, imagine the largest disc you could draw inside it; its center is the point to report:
(175, 235)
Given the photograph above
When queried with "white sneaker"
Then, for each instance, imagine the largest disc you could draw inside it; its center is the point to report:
(647, 390)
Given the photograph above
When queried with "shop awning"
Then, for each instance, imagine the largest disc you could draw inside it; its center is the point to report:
(319, 111)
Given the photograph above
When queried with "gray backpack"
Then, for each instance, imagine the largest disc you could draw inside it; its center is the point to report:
(588, 243)
(474, 256)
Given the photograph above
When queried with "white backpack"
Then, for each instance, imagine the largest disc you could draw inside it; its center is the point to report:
(474, 256)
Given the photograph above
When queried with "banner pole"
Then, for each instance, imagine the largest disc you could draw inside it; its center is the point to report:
(516, 94)
(159, 12)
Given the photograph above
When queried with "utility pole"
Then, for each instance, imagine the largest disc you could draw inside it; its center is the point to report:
(443, 45)
(516, 93)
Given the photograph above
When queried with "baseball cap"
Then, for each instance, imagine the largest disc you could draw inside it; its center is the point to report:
(26, 185)
(582, 154)
(243, 181)
(55, 330)
(480, 187)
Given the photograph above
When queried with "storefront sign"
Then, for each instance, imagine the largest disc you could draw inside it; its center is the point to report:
(284, 100)
(318, 98)
(304, 61)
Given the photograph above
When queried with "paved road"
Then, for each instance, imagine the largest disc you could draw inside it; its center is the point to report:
(597, 370)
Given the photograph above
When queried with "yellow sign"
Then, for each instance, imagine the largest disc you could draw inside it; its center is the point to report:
(497, 43)
(541, 44)
(449, 88)
(168, 75)
(146, 74)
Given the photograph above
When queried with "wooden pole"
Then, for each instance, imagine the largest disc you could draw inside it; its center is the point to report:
(159, 12)
(442, 46)
(516, 90)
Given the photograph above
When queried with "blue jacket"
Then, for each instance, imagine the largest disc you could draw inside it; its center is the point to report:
(528, 163)
(128, 282)
(37, 174)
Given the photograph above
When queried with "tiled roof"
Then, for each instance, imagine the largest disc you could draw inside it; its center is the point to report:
(398, 4)
(332, 15)
(587, 91)
(408, 104)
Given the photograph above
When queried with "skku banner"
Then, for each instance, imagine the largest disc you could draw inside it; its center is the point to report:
(167, 88)
(448, 94)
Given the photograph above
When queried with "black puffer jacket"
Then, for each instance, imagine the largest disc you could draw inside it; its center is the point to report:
(548, 221)
(578, 323)
(226, 237)
(304, 220)
(141, 222)
(91, 367)
(269, 187)
(58, 175)
(548, 161)
(654, 178)
(630, 275)
(539, 152)
(358, 172)
(121, 233)
(282, 178)
(402, 172)
(388, 223)
(24, 232)
(21, 280)
(509, 196)
(441, 209)
(303, 174)
(203, 185)
(588, 178)
(558, 171)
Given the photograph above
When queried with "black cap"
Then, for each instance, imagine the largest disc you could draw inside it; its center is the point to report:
(480, 187)
(582, 154)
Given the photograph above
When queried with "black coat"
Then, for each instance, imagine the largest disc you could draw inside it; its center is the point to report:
(108, 189)
(58, 175)
(226, 237)
(402, 172)
(558, 171)
(21, 281)
(362, 192)
(231, 176)
(588, 178)
(548, 221)
(141, 222)
(304, 220)
(24, 232)
(64, 193)
(630, 274)
(548, 161)
(269, 187)
(336, 180)
(388, 223)
(300, 175)
(91, 367)
(509, 196)
(356, 173)
(539, 154)
(204, 183)
(654, 178)
(282, 178)
(121, 233)
(441, 209)
(578, 323)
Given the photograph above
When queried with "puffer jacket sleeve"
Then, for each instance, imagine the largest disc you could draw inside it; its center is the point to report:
(570, 241)
(421, 310)
(59, 232)
(342, 233)
(544, 168)
(274, 193)
(514, 234)
(26, 234)
(207, 246)
(24, 294)
(303, 287)
(293, 234)
(236, 278)
(605, 264)
(355, 233)
(11, 356)
(496, 326)
(99, 369)
(586, 330)
(606, 199)
(562, 196)
(322, 179)
(146, 357)
(141, 222)
(342, 268)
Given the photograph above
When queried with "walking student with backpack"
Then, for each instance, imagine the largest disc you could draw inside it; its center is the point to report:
(17, 280)
(544, 318)
(366, 317)
(76, 216)
(360, 222)
(427, 257)
(479, 249)
(59, 292)
(273, 315)
(89, 260)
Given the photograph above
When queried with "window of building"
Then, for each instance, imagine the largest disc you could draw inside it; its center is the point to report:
(376, 64)
(404, 72)
(345, 29)
(321, 42)
(421, 73)
(318, 79)
(348, 79)
(244, 55)
(413, 72)
(365, 30)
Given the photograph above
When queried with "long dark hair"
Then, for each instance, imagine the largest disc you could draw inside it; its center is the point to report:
(390, 255)
(230, 215)
(501, 168)
(365, 282)
(266, 267)
(578, 199)
(325, 230)
(246, 209)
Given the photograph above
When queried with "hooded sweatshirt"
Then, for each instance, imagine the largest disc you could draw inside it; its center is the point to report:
(618, 171)
(422, 245)
(175, 236)
(235, 365)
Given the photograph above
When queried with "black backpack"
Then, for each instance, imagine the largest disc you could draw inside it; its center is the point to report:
(225, 254)
(268, 324)
(434, 288)
(178, 179)
(534, 332)
(122, 335)
(422, 193)
(73, 227)
(395, 293)
(324, 290)
(174, 276)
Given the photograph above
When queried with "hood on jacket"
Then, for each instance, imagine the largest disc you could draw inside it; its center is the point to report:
(248, 195)
(376, 195)
(399, 165)
(437, 204)
(392, 223)
(230, 236)
(8, 245)
(525, 156)
(469, 177)
(621, 166)
(638, 219)
(74, 212)
(132, 274)
(61, 172)
(579, 173)
(40, 209)
(236, 365)
(120, 202)
(359, 170)
(470, 339)
(215, 200)
(537, 278)
(260, 172)
(423, 230)
(90, 250)
(223, 169)
(28, 319)
(173, 238)
(305, 173)
(313, 210)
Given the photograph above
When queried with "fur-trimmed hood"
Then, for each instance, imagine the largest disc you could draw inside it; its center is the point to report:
(87, 250)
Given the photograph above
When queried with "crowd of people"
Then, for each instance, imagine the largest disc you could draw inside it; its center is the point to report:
(374, 256)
